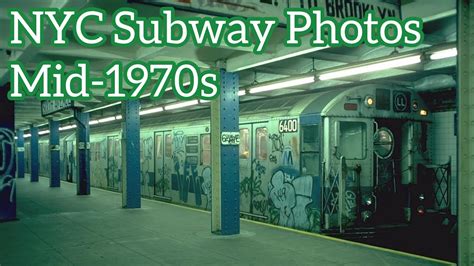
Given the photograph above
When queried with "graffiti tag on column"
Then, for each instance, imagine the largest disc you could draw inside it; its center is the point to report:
(7, 153)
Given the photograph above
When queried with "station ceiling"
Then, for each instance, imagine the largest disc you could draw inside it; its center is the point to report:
(439, 28)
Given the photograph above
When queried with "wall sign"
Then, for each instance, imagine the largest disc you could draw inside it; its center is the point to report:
(275, 8)
(288, 126)
(230, 138)
(51, 107)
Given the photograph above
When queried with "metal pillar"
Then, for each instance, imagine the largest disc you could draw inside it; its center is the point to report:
(131, 196)
(83, 152)
(20, 147)
(225, 219)
(466, 132)
(34, 154)
(7, 147)
(55, 180)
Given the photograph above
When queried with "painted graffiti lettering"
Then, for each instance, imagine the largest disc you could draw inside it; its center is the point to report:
(7, 180)
(290, 196)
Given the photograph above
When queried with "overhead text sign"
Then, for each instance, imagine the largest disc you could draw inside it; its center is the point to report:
(54, 106)
(339, 9)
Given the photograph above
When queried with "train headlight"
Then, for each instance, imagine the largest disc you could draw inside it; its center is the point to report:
(369, 101)
(423, 112)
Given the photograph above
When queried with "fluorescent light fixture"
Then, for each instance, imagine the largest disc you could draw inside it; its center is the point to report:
(67, 127)
(44, 132)
(167, 89)
(118, 117)
(27, 136)
(181, 105)
(107, 119)
(452, 52)
(93, 122)
(283, 57)
(103, 107)
(242, 93)
(17, 137)
(389, 64)
(204, 101)
(152, 111)
(282, 84)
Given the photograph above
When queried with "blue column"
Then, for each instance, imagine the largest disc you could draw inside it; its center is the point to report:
(34, 154)
(54, 180)
(131, 197)
(225, 219)
(20, 147)
(7, 147)
(83, 152)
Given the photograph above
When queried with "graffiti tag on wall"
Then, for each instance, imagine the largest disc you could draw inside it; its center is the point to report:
(7, 180)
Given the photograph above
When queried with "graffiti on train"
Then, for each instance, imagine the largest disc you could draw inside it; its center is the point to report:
(185, 177)
(147, 173)
(291, 201)
(251, 188)
(99, 162)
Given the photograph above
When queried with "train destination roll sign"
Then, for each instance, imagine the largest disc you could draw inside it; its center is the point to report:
(329, 23)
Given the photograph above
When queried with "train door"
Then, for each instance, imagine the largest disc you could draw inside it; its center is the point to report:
(163, 163)
(245, 162)
(70, 158)
(388, 155)
(254, 165)
(113, 163)
(347, 170)
(27, 157)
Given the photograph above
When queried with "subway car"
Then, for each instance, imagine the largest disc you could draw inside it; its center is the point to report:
(329, 161)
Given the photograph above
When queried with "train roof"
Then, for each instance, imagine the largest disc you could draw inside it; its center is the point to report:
(324, 103)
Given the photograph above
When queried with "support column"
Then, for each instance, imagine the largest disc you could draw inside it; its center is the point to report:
(225, 219)
(54, 180)
(20, 147)
(83, 152)
(34, 154)
(466, 132)
(131, 197)
(7, 147)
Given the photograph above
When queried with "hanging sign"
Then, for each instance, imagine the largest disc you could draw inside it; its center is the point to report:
(50, 107)
(338, 9)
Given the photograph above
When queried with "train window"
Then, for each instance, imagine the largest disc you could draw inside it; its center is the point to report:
(310, 163)
(244, 147)
(159, 146)
(310, 150)
(168, 145)
(383, 143)
(310, 138)
(261, 143)
(353, 140)
(206, 149)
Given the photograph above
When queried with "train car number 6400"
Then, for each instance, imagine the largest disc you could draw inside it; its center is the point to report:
(288, 126)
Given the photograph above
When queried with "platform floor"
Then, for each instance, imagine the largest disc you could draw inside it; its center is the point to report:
(56, 227)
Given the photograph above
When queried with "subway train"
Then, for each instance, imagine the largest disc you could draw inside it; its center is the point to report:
(328, 161)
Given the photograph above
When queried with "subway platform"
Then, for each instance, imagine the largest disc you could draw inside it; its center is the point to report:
(56, 227)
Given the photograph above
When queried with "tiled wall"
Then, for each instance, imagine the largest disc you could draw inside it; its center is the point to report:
(442, 143)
